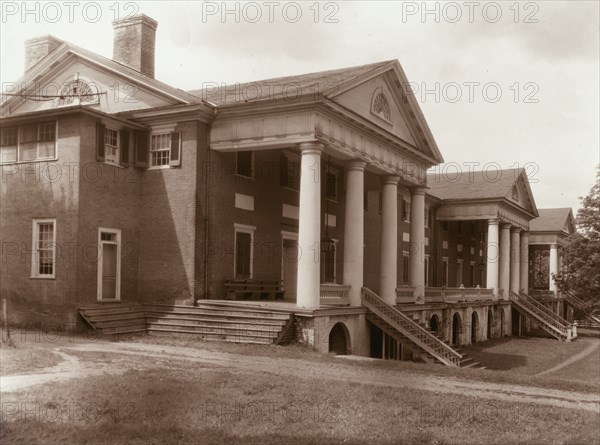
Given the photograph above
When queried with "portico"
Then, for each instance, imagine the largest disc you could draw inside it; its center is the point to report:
(383, 134)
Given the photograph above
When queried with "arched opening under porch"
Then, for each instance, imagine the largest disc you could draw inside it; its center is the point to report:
(490, 324)
(339, 339)
(456, 328)
(474, 326)
(434, 323)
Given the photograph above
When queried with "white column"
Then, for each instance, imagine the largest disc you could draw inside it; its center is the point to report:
(388, 268)
(309, 230)
(504, 273)
(493, 256)
(417, 243)
(553, 267)
(524, 272)
(515, 259)
(354, 230)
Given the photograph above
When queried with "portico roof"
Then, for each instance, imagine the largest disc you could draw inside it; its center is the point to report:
(553, 220)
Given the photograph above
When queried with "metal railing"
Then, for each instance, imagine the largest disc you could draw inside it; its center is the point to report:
(411, 330)
(335, 294)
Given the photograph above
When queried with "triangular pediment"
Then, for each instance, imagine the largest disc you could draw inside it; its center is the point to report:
(520, 193)
(74, 76)
(378, 96)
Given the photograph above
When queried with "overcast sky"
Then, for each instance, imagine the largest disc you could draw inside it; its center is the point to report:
(516, 84)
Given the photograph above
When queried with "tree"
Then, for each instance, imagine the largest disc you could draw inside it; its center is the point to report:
(581, 256)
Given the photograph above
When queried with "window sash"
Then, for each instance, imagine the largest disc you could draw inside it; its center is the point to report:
(160, 149)
(30, 142)
(44, 249)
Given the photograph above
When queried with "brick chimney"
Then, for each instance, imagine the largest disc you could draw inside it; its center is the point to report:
(38, 48)
(133, 44)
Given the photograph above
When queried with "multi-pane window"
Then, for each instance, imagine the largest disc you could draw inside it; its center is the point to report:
(289, 172)
(405, 268)
(244, 163)
(331, 185)
(405, 210)
(445, 271)
(243, 252)
(160, 149)
(44, 248)
(328, 259)
(111, 145)
(28, 142)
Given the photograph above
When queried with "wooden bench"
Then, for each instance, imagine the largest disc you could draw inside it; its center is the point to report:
(254, 289)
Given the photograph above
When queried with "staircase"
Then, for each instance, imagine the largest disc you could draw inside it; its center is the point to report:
(115, 318)
(574, 301)
(549, 321)
(208, 321)
(401, 328)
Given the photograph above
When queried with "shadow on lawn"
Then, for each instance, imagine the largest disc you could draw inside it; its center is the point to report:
(495, 360)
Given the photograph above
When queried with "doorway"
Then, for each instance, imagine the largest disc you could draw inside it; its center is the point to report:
(456, 329)
(109, 264)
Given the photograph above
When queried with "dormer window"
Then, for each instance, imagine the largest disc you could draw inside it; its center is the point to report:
(380, 105)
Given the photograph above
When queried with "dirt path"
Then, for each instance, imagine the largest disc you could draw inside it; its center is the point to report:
(341, 370)
(587, 351)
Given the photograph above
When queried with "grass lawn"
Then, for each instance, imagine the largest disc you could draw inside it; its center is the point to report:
(165, 401)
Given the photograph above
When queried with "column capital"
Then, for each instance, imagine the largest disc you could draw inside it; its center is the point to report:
(356, 164)
(524, 233)
(311, 147)
(505, 226)
(417, 191)
(493, 221)
(390, 179)
(515, 229)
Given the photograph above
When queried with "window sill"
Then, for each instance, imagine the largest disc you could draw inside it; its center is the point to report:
(113, 165)
(42, 278)
(250, 178)
(159, 167)
(54, 159)
(106, 300)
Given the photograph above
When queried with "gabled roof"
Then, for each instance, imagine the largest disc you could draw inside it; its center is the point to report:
(552, 220)
(67, 49)
(326, 82)
(483, 185)
(473, 185)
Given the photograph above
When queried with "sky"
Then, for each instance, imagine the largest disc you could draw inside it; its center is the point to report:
(501, 84)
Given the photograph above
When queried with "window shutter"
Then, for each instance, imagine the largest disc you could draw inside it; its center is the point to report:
(124, 149)
(100, 141)
(175, 158)
(141, 149)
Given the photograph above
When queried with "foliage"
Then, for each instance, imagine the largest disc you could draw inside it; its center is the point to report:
(581, 257)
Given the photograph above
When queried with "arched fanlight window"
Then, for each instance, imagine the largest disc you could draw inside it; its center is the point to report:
(380, 105)
(78, 91)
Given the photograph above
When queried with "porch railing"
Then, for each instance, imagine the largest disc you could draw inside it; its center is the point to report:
(335, 294)
(405, 295)
(457, 294)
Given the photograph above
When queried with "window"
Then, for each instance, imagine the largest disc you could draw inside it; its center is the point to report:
(405, 268)
(380, 105)
(331, 184)
(165, 149)
(44, 248)
(289, 172)
(111, 145)
(460, 228)
(29, 142)
(160, 149)
(244, 241)
(445, 226)
(405, 210)
(426, 270)
(426, 216)
(472, 273)
(459, 273)
(244, 163)
(329, 258)
(473, 230)
(79, 92)
(445, 271)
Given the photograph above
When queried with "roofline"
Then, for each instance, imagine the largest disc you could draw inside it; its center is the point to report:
(17, 118)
